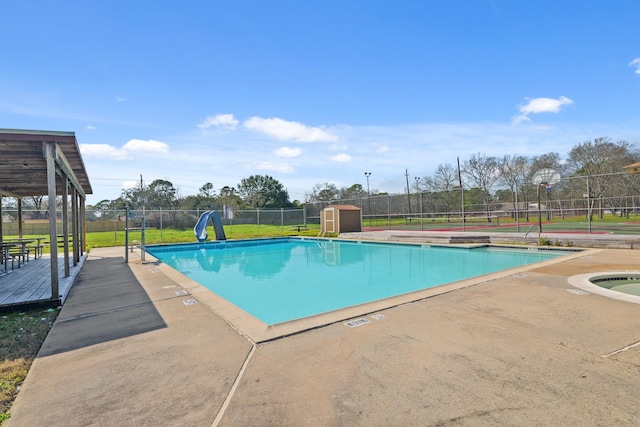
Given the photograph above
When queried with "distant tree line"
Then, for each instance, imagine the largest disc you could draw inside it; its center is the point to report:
(485, 179)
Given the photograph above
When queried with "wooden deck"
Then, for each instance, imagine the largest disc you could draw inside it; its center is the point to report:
(31, 283)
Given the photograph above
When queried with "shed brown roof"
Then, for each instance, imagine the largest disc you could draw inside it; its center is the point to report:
(23, 166)
(345, 207)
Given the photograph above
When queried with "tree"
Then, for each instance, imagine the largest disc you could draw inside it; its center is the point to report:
(106, 208)
(323, 193)
(162, 194)
(514, 173)
(602, 161)
(354, 192)
(205, 199)
(38, 204)
(207, 191)
(445, 180)
(229, 198)
(483, 171)
(135, 197)
(263, 192)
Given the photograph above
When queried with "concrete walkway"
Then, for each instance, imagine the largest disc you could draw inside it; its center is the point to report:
(132, 347)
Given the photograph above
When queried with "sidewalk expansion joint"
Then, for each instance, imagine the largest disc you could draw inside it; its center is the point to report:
(232, 391)
(630, 346)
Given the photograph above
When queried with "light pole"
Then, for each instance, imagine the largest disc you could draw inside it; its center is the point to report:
(368, 174)
(417, 178)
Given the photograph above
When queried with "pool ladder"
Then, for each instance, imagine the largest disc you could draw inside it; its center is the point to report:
(320, 236)
(529, 231)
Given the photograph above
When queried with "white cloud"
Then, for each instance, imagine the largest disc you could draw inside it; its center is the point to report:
(540, 105)
(287, 152)
(129, 184)
(120, 99)
(636, 64)
(222, 121)
(106, 151)
(103, 151)
(90, 128)
(382, 149)
(289, 131)
(276, 167)
(146, 146)
(341, 158)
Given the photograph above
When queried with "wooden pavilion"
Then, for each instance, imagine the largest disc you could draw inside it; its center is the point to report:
(48, 163)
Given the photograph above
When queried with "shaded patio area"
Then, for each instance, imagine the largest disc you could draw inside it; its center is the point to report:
(31, 284)
(43, 163)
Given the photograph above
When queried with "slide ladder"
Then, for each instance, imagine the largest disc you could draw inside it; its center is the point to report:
(200, 229)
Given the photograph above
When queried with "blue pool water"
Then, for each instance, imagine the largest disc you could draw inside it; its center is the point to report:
(278, 280)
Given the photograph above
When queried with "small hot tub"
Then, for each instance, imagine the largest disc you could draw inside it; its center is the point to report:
(622, 285)
(625, 283)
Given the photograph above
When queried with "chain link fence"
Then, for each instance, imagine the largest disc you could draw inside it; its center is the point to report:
(600, 204)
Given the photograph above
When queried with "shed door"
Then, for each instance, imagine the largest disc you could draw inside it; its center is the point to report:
(329, 220)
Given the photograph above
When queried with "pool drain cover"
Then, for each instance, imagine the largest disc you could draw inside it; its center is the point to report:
(182, 293)
(189, 302)
(356, 322)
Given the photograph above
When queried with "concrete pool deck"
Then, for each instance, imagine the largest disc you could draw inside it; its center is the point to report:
(132, 346)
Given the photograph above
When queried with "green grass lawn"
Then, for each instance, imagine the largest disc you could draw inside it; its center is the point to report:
(155, 236)
(21, 335)
(169, 235)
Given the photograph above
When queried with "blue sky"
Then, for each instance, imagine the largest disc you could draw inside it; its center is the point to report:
(316, 91)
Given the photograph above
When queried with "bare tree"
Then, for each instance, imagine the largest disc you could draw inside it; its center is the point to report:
(514, 173)
(483, 171)
(445, 180)
(602, 161)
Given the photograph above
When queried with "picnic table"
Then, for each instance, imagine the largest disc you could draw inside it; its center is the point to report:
(6, 247)
(299, 227)
(27, 245)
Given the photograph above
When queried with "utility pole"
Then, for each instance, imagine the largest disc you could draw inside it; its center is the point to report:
(406, 174)
(368, 174)
(464, 223)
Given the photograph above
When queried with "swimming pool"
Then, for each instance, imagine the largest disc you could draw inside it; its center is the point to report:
(279, 280)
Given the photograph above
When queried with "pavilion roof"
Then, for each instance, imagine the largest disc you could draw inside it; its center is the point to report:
(23, 165)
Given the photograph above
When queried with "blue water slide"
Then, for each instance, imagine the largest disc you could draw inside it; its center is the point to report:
(200, 229)
(217, 225)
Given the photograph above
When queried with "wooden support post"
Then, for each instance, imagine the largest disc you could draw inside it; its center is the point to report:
(65, 224)
(83, 224)
(19, 217)
(74, 226)
(50, 149)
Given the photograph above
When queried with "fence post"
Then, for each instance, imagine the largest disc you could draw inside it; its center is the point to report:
(389, 211)
(161, 224)
(126, 235)
(421, 219)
